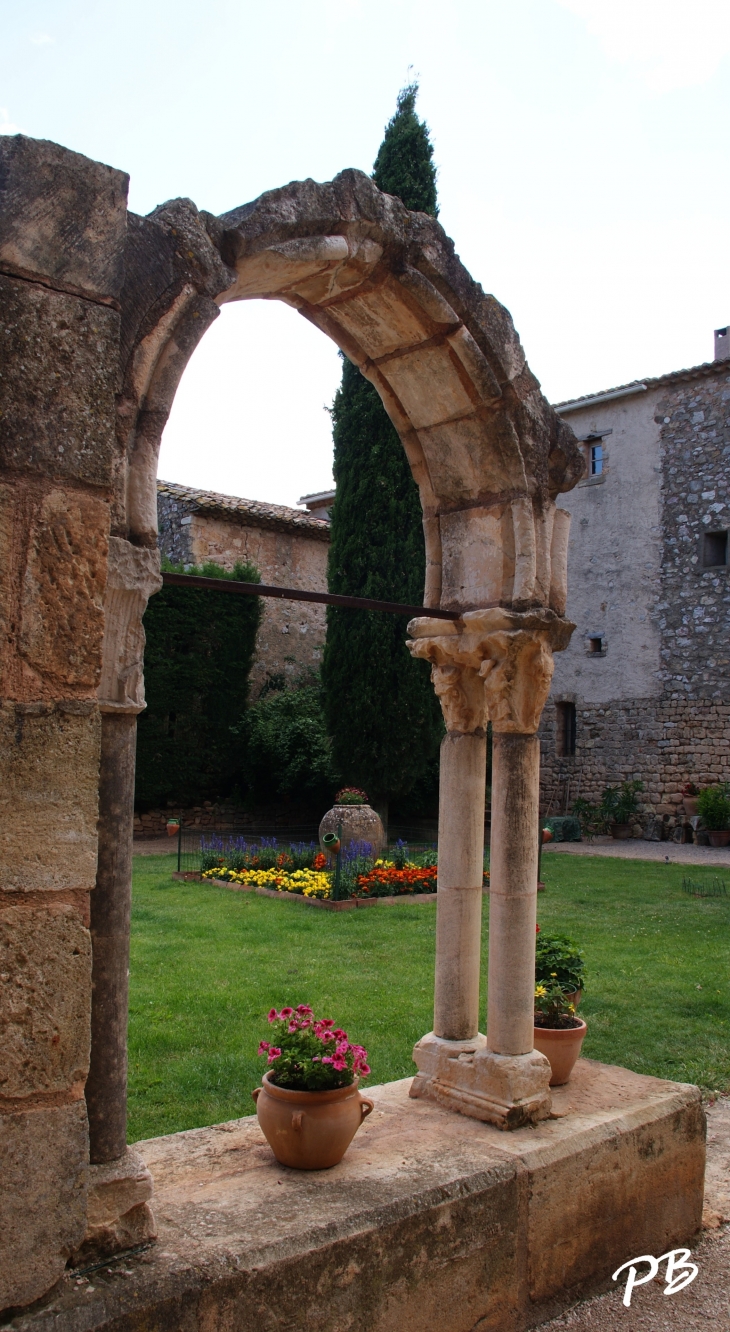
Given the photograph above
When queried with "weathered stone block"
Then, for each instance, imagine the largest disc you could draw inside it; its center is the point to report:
(62, 625)
(49, 764)
(42, 1199)
(432, 1222)
(119, 1215)
(57, 383)
(62, 216)
(45, 988)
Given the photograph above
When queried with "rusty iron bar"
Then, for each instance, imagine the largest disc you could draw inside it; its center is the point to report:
(296, 594)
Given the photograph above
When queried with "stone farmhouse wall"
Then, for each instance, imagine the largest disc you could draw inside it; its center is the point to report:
(654, 702)
(289, 549)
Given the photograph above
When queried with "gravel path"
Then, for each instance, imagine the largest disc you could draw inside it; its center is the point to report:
(705, 1304)
(671, 853)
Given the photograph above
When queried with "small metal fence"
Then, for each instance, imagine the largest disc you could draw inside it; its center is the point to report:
(194, 843)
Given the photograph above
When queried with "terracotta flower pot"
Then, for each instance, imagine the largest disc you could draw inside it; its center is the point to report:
(172, 829)
(690, 806)
(561, 1048)
(574, 997)
(719, 836)
(621, 831)
(309, 1130)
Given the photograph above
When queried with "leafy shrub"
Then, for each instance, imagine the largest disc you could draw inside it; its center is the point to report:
(286, 747)
(559, 959)
(713, 807)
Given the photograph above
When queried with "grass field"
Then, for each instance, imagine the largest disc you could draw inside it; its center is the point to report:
(208, 963)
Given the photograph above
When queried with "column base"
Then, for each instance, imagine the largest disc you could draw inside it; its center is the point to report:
(464, 1076)
(119, 1215)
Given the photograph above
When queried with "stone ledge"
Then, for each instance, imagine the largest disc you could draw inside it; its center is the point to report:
(432, 1222)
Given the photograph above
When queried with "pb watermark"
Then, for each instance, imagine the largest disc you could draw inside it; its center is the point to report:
(678, 1275)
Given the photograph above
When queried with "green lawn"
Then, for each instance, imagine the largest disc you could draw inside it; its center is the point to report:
(208, 963)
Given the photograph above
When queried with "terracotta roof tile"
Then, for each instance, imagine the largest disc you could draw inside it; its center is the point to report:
(249, 513)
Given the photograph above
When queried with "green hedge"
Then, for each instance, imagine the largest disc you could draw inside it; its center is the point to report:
(200, 646)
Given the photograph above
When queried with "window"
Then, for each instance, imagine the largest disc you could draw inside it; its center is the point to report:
(595, 459)
(596, 645)
(714, 550)
(565, 729)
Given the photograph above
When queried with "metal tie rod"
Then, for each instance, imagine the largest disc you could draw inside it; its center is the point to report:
(296, 594)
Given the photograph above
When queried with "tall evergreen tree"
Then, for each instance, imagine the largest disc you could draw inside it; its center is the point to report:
(381, 709)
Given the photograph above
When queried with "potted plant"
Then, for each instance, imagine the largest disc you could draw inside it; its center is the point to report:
(690, 793)
(713, 807)
(558, 959)
(173, 827)
(619, 806)
(558, 1032)
(309, 1106)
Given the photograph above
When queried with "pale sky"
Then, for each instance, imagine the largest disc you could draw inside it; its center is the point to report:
(582, 148)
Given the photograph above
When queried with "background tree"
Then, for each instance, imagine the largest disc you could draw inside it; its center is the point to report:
(200, 646)
(381, 710)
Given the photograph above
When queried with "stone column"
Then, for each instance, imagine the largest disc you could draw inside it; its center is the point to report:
(120, 1186)
(495, 663)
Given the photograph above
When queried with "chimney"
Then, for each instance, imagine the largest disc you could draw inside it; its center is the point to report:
(722, 344)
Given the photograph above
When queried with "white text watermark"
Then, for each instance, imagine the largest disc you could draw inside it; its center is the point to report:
(678, 1275)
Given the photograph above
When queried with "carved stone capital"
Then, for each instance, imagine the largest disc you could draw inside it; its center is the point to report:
(134, 574)
(494, 664)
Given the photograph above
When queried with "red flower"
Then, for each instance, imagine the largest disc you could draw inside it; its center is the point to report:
(273, 1015)
(274, 1053)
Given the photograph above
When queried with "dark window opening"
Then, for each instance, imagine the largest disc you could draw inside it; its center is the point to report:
(714, 551)
(596, 459)
(595, 645)
(565, 729)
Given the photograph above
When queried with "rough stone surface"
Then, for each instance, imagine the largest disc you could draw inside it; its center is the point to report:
(62, 216)
(62, 615)
(133, 576)
(431, 1223)
(60, 362)
(655, 702)
(289, 549)
(119, 1215)
(359, 823)
(43, 1197)
(45, 969)
(49, 770)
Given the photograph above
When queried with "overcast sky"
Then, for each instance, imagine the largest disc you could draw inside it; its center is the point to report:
(582, 149)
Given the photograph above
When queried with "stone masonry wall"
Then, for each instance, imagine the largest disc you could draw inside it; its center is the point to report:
(663, 742)
(62, 228)
(291, 551)
(694, 612)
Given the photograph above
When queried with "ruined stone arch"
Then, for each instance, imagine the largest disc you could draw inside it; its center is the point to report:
(101, 311)
(487, 452)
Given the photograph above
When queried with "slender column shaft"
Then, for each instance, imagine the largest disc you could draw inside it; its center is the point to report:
(513, 893)
(106, 1087)
(459, 901)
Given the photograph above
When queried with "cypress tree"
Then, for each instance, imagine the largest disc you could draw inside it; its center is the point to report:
(381, 709)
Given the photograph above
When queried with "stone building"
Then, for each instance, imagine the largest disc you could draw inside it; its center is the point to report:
(289, 548)
(644, 688)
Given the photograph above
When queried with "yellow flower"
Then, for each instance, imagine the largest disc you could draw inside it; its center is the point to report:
(540, 991)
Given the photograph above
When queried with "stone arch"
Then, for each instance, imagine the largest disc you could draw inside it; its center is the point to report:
(487, 452)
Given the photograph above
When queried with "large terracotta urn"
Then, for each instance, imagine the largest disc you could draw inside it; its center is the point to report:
(359, 823)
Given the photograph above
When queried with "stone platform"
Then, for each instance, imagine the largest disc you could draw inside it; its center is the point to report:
(432, 1223)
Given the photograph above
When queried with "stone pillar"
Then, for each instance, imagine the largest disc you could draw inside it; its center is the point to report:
(106, 1085)
(513, 893)
(120, 1187)
(495, 663)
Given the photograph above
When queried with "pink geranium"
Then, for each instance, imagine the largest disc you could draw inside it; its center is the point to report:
(298, 1058)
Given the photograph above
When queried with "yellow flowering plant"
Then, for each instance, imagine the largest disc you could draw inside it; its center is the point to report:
(309, 883)
(552, 1009)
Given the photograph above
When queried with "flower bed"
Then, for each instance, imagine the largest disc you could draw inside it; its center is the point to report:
(385, 880)
(308, 883)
